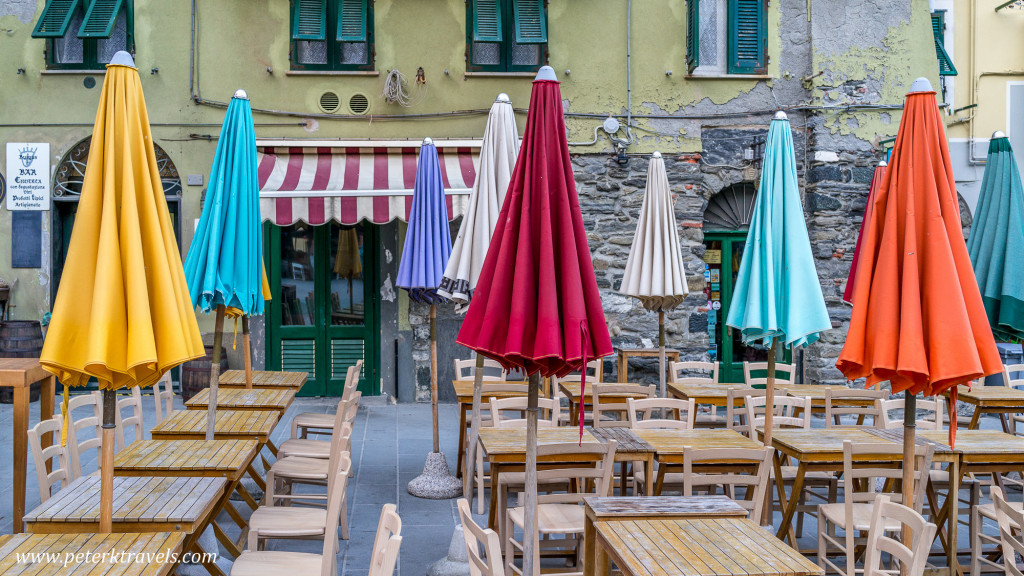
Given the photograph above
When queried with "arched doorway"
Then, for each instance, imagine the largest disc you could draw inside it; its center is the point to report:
(726, 222)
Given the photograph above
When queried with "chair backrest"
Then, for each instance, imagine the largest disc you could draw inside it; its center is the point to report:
(163, 397)
(790, 412)
(865, 463)
(79, 428)
(133, 402)
(1011, 522)
(755, 482)
(595, 373)
(679, 372)
(550, 412)
(736, 410)
(660, 413)
(386, 544)
(352, 380)
(783, 373)
(490, 563)
(466, 370)
(932, 420)
(596, 478)
(350, 407)
(336, 486)
(862, 403)
(612, 398)
(1013, 375)
(61, 473)
(912, 558)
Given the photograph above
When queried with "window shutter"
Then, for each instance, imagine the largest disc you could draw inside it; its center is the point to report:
(299, 356)
(692, 35)
(946, 67)
(487, 21)
(531, 21)
(100, 18)
(56, 16)
(309, 20)
(352, 20)
(747, 37)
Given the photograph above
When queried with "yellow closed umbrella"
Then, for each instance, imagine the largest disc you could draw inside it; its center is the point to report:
(123, 313)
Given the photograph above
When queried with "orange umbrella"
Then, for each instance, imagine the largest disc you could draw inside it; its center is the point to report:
(918, 319)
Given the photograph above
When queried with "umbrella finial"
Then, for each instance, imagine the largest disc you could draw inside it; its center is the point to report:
(780, 115)
(503, 98)
(883, 163)
(998, 134)
(922, 84)
(546, 73)
(656, 154)
(428, 141)
(241, 94)
(122, 58)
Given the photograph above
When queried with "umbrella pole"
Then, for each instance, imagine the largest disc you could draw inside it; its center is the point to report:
(248, 351)
(218, 338)
(433, 373)
(531, 558)
(468, 478)
(909, 462)
(661, 353)
(107, 462)
(769, 397)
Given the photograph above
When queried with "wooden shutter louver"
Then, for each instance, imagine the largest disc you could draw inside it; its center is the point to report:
(299, 356)
(692, 35)
(531, 21)
(946, 67)
(747, 37)
(100, 18)
(352, 19)
(309, 20)
(487, 21)
(56, 16)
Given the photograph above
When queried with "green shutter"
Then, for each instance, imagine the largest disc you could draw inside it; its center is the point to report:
(56, 17)
(692, 35)
(100, 18)
(309, 20)
(486, 21)
(946, 67)
(299, 356)
(352, 20)
(747, 37)
(344, 353)
(531, 21)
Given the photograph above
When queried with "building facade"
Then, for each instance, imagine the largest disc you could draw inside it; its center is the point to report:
(343, 92)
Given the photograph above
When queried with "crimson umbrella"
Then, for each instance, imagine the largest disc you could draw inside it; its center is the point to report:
(536, 305)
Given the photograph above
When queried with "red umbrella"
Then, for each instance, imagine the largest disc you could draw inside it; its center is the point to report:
(536, 306)
(876, 183)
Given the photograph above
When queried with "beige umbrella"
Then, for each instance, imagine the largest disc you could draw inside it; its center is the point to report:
(654, 271)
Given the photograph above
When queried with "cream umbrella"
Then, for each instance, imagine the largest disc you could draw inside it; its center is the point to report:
(654, 271)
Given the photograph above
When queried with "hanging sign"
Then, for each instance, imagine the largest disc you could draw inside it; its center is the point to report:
(713, 256)
(28, 169)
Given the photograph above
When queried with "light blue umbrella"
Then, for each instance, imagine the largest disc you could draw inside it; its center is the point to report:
(428, 244)
(996, 242)
(777, 296)
(224, 265)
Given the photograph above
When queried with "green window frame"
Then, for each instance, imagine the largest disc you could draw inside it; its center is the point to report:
(946, 67)
(508, 24)
(97, 23)
(746, 41)
(339, 25)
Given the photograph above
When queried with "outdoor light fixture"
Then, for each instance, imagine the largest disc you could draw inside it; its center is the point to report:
(621, 157)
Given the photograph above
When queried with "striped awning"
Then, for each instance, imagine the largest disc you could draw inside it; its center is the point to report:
(320, 184)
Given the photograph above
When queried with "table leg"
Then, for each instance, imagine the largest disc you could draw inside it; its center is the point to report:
(623, 364)
(649, 475)
(953, 505)
(272, 447)
(574, 413)
(47, 392)
(21, 396)
(256, 477)
(974, 418)
(462, 440)
(789, 509)
(589, 546)
(660, 483)
(492, 513)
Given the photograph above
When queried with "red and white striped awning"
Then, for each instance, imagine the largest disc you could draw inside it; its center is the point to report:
(370, 181)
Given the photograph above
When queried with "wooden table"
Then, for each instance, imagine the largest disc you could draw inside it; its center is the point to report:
(670, 445)
(637, 508)
(229, 459)
(71, 552)
(716, 395)
(1001, 400)
(264, 380)
(20, 374)
(572, 393)
(464, 394)
(629, 448)
(228, 425)
(244, 399)
(696, 547)
(625, 354)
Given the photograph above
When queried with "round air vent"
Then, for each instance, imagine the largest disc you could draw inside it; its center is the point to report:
(330, 102)
(358, 104)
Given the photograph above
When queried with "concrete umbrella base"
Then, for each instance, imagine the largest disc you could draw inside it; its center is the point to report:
(457, 561)
(436, 482)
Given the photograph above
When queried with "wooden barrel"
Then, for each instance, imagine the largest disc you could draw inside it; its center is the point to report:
(195, 375)
(20, 339)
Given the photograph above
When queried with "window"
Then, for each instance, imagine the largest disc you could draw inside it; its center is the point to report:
(506, 35)
(84, 34)
(726, 37)
(332, 35)
(946, 67)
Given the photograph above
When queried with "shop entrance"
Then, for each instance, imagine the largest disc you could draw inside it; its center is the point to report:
(324, 315)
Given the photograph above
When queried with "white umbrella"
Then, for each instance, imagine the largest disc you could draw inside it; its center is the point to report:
(498, 155)
(654, 271)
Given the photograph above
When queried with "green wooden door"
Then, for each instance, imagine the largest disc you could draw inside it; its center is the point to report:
(324, 313)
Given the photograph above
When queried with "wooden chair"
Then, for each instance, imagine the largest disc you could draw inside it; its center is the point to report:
(595, 373)
(561, 513)
(933, 419)
(860, 481)
(313, 448)
(834, 412)
(92, 404)
(480, 478)
(754, 484)
(1011, 520)
(660, 413)
(56, 454)
(288, 471)
(134, 402)
(550, 413)
(679, 372)
(477, 539)
(320, 423)
(386, 543)
(493, 371)
(913, 557)
(610, 398)
(163, 393)
(736, 408)
(982, 559)
(784, 373)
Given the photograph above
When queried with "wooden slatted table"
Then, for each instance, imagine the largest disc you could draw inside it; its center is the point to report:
(697, 547)
(670, 445)
(638, 508)
(1001, 400)
(19, 374)
(817, 393)
(629, 448)
(140, 554)
(229, 459)
(716, 395)
(572, 393)
(244, 399)
(464, 394)
(264, 380)
(624, 354)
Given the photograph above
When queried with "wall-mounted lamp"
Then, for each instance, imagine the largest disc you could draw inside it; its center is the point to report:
(668, 72)
(155, 70)
(568, 72)
(21, 71)
(270, 70)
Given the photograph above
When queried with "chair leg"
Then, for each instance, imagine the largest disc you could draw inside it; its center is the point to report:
(344, 517)
(479, 479)
(976, 548)
(510, 549)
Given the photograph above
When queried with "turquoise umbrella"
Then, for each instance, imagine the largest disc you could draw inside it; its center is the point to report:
(777, 296)
(224, 265)
(996, 242)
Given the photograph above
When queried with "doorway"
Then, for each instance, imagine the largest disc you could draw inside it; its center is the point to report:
(324, 315)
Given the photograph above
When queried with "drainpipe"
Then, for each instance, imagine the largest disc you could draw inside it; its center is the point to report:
(629, 71)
